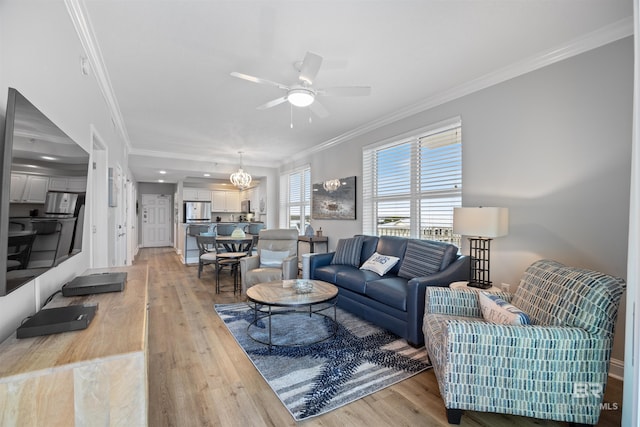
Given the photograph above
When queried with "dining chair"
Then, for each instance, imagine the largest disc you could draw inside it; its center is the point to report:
(225, 229)
(232, 260)
(19, 251)
(207, 250)
(46, 243)
(254, 228)
(196, 230)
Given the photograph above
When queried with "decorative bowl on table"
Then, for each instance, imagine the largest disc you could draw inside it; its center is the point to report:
(303, 286)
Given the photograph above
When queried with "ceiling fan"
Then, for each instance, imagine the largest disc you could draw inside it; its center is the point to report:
(302, 93)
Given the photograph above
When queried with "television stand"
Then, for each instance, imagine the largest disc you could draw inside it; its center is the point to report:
(97, 374)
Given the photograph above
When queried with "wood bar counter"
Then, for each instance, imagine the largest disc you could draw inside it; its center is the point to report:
(96, 376)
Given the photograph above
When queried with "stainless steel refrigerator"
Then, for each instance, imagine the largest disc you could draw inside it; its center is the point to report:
(61, 203)
(197, 212)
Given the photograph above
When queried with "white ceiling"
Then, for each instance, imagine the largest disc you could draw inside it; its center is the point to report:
(168, 64)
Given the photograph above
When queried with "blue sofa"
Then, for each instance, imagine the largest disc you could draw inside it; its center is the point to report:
(394, 301)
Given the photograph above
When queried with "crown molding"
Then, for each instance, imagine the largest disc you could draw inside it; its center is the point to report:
(166, 155)
(593, 40)
(193, 157)
(80, 19)
(605, 35)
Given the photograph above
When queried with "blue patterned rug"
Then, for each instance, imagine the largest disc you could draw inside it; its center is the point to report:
(316, 378)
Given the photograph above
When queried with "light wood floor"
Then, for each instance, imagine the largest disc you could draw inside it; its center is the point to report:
(199, 376)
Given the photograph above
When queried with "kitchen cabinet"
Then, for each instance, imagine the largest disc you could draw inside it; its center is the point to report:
(28, 188)
(254, 195)
(250, 195)
(196, 194)
(72, 184)
(225, 201)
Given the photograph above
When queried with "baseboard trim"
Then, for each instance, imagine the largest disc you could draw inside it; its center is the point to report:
(616, 369)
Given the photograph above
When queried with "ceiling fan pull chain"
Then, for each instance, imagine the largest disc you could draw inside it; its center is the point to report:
(291, 115)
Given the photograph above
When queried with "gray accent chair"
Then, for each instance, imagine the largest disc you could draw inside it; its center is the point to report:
(251, 271)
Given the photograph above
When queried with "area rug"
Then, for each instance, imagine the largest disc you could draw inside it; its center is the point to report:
(313, 379)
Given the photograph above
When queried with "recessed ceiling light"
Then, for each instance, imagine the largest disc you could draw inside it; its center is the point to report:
(161, 180)
(163, 172)
(207, 174)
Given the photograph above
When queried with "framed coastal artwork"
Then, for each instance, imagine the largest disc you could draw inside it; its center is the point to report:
(338, 203)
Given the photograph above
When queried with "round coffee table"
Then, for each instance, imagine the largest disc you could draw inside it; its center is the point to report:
(282, 296)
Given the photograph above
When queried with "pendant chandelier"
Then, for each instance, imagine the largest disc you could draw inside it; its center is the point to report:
(331, 185)
(240, 179)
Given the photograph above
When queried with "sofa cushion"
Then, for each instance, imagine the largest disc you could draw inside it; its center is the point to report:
(369, 244)
(425, 257)
(391, 291)
(348, 251)
(326, 273)
(352, 278)
(379, 263)
(496, 310)
(393, 246)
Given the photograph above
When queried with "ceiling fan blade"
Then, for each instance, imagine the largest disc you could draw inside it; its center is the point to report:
(258, 80)
(310, 67)
(318, 109)
(272, 103)
(345, 91)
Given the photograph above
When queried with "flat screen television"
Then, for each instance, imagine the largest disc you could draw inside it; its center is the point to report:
(38, 160)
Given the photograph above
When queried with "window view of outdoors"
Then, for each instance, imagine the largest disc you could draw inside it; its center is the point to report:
(299, 206)
(416, 184)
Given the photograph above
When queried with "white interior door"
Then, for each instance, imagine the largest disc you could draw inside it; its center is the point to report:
(156, 220)
(121, 212)
(98, 200)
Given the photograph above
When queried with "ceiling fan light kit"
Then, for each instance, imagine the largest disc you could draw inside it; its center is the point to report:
(301, 97)
(302, 94)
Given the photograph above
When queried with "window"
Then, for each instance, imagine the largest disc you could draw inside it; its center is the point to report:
(411, 184)
(295, 200)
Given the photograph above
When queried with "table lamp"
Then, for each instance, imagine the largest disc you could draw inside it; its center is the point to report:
(482, 224)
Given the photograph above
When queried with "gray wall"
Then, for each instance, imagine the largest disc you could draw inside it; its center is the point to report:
(552, 145)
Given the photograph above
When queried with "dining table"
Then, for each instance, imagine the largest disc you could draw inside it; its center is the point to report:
(235, 244)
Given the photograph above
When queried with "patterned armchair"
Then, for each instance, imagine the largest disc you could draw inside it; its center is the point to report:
(555, 368)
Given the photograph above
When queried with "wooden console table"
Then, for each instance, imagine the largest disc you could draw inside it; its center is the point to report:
(96, 376)
(303, 256)
(312, 242)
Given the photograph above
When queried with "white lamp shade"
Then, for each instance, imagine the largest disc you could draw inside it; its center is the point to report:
(481, 221)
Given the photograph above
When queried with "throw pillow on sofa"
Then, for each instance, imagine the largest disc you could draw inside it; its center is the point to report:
(496, 310)
(422, 258)
(380, 264)
(348, 251)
